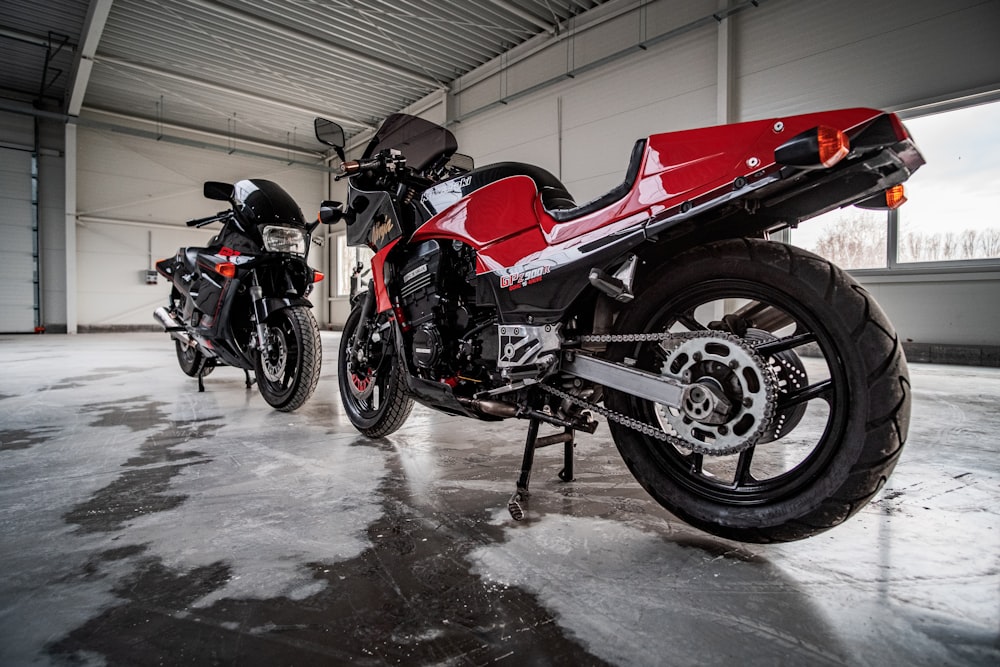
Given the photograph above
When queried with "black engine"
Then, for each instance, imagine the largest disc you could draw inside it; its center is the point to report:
(437, 291)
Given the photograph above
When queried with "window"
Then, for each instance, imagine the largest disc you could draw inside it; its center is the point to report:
(851, 238)
(953, 202)
(348, 258)
(952, 212)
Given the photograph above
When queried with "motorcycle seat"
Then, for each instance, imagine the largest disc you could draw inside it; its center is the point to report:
(562, 210)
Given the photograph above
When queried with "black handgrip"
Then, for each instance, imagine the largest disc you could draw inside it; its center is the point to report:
(201, 222)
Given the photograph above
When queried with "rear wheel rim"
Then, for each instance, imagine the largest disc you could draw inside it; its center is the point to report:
(754, 476)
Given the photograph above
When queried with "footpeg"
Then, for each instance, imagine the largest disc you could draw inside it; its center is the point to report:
(619, 285)
(610, 285)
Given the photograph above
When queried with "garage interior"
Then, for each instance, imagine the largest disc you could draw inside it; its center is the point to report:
(144, 522)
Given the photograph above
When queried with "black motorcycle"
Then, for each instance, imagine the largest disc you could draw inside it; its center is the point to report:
(241, 301)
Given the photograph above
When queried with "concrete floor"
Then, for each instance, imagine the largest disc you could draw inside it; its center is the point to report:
(143, 523)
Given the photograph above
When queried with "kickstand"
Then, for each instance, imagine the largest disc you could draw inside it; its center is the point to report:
(517, 502)
(249, 381)
(201, 378)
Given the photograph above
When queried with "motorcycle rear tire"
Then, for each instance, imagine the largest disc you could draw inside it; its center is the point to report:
(288, 368)
(864, 398)
(379, 403)
(191, 361)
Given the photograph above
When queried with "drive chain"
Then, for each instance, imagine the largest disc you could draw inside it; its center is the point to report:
(640, 426)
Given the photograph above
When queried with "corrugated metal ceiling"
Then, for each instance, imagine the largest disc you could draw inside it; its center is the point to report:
(262, 69)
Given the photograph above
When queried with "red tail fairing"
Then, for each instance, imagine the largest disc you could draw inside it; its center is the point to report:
(511, 228)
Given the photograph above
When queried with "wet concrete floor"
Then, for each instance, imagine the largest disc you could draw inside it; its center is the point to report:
(143, 523)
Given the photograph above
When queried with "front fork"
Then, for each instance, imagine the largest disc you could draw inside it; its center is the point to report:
(361, 333)
(259, 312)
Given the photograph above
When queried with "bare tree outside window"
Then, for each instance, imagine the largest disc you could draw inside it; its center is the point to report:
(953, 201)
(851, 238)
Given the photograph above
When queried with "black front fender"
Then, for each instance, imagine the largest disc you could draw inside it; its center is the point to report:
(269, 305)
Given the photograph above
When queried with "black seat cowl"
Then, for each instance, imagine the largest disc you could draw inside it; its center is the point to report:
(556, 206)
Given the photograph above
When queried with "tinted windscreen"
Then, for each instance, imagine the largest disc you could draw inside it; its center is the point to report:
(420, 141)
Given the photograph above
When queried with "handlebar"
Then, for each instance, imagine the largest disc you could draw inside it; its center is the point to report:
(354, 166)
(388, 161)
(201, 222)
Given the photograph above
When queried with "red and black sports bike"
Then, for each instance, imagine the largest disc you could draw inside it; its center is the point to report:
(754, 389)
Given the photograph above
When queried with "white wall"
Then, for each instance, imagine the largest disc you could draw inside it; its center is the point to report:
(785, 56)
(134, 195)
(932, 308)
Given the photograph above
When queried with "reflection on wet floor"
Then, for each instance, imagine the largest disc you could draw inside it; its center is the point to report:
(145, 523)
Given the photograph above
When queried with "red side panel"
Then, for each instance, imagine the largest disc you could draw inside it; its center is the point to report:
(498, 221)
(382, 302)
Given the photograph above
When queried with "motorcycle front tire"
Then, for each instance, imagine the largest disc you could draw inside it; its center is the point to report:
(374, 396)
(839, 368)
(288, 367)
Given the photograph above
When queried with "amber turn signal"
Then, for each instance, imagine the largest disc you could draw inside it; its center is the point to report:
(819, 147)
(895, 196)
(226, 269)
(833, 145)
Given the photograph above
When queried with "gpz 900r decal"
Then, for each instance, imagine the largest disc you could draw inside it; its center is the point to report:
(520, 279)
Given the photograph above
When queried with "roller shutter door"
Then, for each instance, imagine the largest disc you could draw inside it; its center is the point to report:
(17, 291)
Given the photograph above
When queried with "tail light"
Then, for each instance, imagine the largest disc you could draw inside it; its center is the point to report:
(820, 147)
(318, 276)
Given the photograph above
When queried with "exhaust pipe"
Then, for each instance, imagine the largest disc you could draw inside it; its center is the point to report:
(494, 408)
(173, 327)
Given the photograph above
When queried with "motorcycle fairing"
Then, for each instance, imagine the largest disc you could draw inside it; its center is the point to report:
(680, 176)
(376, 223)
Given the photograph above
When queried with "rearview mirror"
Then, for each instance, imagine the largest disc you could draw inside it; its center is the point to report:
(331, 134)
(331, 212)
(219, 191)
(460, 163)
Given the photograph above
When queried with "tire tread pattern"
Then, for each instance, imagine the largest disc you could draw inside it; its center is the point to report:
(886, 418)
(311, 354)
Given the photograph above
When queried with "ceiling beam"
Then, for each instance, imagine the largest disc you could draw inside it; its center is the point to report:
(299, 36)
(524, 14)
(29, 38)
(183, 78)
(83, 61)
(92, 112)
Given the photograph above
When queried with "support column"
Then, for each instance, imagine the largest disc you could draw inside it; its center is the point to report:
(71, 282)
(724, 103)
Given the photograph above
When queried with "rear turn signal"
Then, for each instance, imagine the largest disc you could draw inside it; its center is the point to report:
(820, 147)
(833, 145)
(890, 198)
(895, 196)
